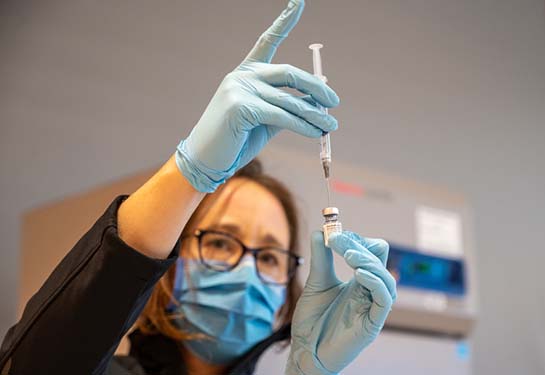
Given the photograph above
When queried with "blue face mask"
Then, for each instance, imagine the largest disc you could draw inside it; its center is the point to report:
(235, 309)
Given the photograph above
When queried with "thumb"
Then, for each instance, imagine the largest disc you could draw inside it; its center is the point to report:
(322, 273)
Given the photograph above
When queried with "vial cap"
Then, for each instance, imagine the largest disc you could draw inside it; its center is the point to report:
(330, 211)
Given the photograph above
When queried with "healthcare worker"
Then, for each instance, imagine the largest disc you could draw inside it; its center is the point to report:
(232, 291)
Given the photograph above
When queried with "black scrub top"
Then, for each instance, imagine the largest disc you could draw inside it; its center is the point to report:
(75, 322)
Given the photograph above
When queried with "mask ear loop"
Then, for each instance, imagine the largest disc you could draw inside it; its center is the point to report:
(182, 271)
(277, 314)
(182, 266)
(174, 294)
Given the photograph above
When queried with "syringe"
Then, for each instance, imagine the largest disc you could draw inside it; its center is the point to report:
(325, 143)
(331, 214)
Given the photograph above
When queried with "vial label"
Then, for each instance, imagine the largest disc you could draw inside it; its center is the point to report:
(330, 228)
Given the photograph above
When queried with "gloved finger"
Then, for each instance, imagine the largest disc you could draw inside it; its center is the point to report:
(266, 45)
(358, 259)
(297, 106)
(268, 114)
(322, 272)
(285, 75)
(382, 301)
(309, 100)
(350, 240)
(377, 246)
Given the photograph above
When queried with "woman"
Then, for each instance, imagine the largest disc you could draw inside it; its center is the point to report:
(254, 291)
(232, 291)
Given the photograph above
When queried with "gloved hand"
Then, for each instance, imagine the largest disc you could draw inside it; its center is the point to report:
(333, 320)
(248, 109)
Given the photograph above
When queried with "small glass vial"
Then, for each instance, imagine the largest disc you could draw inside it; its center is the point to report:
(332, 223)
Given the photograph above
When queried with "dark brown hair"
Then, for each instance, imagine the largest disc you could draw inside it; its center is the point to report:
(155, 318)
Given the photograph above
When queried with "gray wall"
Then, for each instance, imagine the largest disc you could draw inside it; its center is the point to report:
(448, 92)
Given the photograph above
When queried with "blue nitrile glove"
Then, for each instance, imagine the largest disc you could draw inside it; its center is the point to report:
(249, 108)
(333, 320)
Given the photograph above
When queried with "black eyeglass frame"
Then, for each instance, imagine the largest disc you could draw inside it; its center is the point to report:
(199, 234)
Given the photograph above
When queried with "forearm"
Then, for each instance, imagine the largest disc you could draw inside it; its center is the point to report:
(153, 217)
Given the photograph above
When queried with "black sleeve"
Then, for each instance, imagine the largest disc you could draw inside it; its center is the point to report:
(74, 323)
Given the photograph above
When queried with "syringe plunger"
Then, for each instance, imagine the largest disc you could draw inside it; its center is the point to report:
(317, 60)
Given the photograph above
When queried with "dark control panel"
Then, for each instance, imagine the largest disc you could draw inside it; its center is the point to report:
(429, 272)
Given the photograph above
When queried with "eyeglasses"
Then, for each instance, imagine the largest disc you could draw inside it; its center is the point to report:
(222, 252)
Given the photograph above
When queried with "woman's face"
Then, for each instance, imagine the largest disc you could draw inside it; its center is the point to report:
(250, 213)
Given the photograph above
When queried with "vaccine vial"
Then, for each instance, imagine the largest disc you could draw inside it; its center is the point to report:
(332, 223)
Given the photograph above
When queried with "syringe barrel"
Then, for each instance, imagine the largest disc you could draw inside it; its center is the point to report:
(325, 147)
(325, 144)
